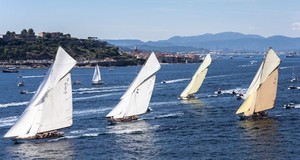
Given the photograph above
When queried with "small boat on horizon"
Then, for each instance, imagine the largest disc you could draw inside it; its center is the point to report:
(10, 70)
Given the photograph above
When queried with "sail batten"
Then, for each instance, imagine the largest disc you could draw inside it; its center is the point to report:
(261, 93)
(136, 99)
(197, 78)
(47, 106)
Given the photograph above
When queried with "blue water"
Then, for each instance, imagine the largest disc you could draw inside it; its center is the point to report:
(205, 128)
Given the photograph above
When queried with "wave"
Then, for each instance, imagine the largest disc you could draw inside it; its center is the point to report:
(170, 115)
(90, 111)
(99, 88)
(98, 91)
(163, 103)
(38, 76)
(8, 121)
(224, 75)
(176, 80)
(13, 104)
(93, 97)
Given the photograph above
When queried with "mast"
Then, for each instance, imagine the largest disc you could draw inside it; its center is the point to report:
(197, 79)
(261, 93)
(50, 107)
(135, 100)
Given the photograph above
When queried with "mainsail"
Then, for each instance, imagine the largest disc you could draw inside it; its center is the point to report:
(197, 79)
(135, 100)
(261, 93)
(97, 76)
(51, 106)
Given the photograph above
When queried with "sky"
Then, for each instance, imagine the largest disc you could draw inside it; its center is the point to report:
(151, 20)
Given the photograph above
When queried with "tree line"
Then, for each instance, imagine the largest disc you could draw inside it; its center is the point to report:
(27, 45)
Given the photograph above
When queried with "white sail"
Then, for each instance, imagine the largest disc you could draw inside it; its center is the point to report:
(197, 79)
(97, 75)
(135, 100)
(261, 93)
(36, 116)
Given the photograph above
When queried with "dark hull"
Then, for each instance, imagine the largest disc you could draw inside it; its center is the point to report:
(258, 115)
(125, 119)
(40, 136)
(10, 71)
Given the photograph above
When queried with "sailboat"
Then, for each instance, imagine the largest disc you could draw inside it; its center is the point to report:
(50, 108)
(294, 76)
(97, 76)
(261, 93)
(135, 100)
(197, 79)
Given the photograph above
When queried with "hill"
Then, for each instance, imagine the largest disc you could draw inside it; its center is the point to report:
(225, 40)
(28, 46)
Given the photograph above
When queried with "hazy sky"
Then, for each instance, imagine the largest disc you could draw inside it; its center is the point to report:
(151, 19)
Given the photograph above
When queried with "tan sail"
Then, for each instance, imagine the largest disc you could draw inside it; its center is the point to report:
(261, 94)
(197, 79)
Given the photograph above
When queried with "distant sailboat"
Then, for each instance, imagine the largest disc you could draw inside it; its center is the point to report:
(294, 76)
(97, 76)
(135, 100)
(197, 79)
(51, 106)
(261, 93)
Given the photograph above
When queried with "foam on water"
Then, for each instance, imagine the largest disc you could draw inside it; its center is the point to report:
(163, 103)
(38, 76)
(13, 104)
(93, 97)
(8, 121)
(90, 111)
(176, 80)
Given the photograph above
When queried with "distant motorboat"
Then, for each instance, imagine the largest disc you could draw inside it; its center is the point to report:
(293, 87)
(292, 55)
(21, 84)
(24, 91)
(289, 105)
(77, 82)
(10, 70)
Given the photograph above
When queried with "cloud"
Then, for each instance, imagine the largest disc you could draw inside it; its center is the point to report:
(296, 26)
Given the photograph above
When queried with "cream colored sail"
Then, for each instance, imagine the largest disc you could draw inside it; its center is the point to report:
(261, 94)
(97, 75)
(51, 106)
(135, 100)
(197, 79)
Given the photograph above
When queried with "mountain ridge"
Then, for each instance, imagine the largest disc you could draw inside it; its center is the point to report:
(223, 40)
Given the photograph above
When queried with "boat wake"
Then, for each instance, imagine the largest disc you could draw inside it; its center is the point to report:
(89, 111)
(39, 76)
(13, 104)
(176, 80)
(171, 115)
(163, 103)
(8, 121)
(224, 75)
(99, 90)
(94, 97)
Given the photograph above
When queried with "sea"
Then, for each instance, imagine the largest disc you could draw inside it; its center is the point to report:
(202, 128)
